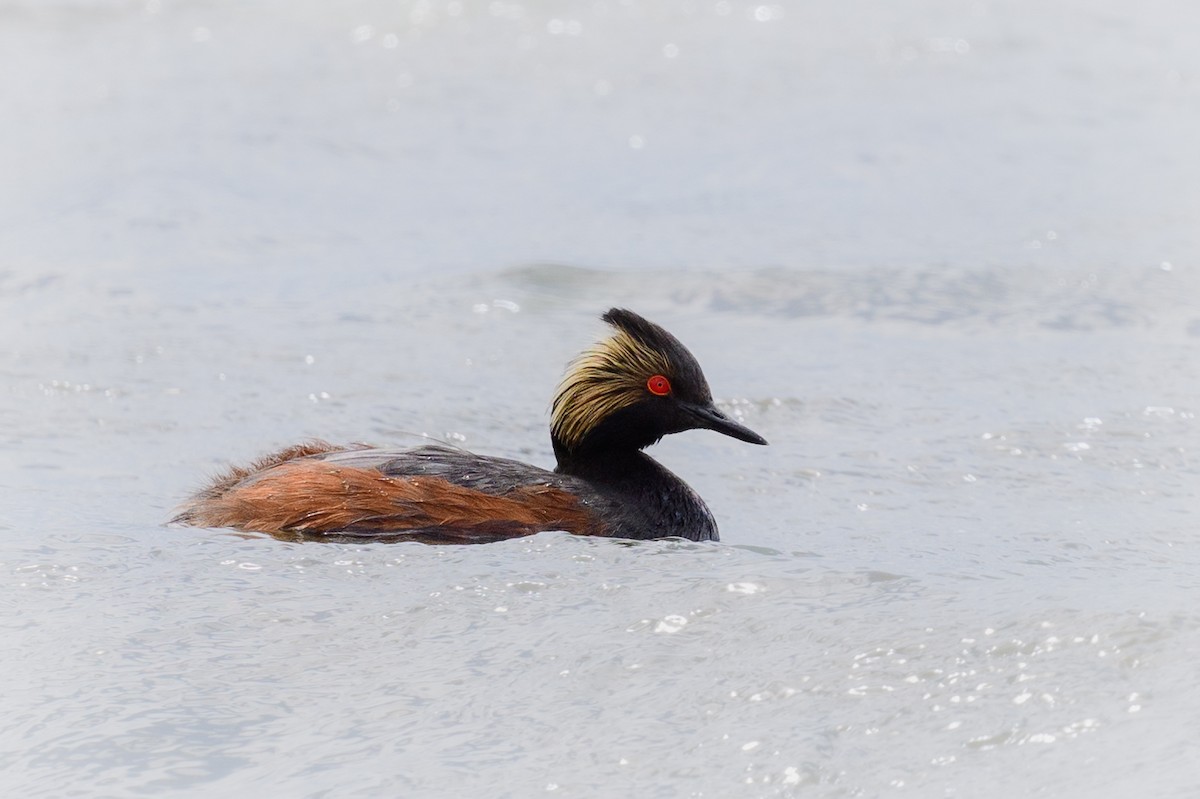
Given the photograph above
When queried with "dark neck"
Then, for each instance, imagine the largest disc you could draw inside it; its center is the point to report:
(654, 502)
(607, 466)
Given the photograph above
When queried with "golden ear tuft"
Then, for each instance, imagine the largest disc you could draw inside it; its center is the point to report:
(612, 375)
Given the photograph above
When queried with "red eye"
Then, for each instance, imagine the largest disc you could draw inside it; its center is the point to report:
(659, 386)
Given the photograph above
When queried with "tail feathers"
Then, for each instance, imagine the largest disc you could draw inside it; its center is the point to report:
(236, 474)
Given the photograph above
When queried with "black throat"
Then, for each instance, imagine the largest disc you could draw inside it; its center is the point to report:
(651, 501)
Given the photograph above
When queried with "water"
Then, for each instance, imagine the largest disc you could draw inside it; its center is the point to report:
(943, 257)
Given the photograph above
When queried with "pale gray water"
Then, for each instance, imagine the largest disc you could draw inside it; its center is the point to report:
(944, 256)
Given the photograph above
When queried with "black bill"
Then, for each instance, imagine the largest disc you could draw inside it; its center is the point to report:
(708, 417)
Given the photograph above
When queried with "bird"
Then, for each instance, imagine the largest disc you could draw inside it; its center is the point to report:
(625, 393)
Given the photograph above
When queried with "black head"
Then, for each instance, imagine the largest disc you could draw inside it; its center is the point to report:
(632, 389)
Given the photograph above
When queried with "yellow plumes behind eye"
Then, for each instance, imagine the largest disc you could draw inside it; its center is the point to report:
(610, 376)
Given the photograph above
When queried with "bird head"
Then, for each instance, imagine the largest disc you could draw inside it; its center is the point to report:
(631, 389)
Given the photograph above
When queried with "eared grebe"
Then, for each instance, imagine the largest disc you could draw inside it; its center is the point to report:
(624, 394)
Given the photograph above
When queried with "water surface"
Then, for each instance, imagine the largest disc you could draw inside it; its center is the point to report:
(944, 258)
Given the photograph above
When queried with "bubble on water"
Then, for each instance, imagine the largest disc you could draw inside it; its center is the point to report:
(767, 13)
(568, 27)
(670, 624)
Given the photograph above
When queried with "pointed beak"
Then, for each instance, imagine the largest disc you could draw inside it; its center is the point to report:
(708, 417)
